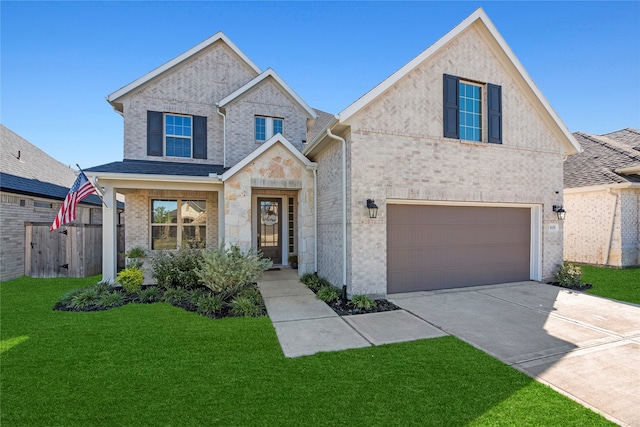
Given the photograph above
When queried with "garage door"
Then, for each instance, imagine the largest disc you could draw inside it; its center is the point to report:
(441, 247)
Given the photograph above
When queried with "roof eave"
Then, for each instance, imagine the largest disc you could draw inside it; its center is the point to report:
(118, 176)
(316, 142)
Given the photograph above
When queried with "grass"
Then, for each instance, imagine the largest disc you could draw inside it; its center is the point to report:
(159, 365)
(621, 285)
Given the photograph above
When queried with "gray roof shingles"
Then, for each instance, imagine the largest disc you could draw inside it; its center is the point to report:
(602, 155)
(33, 187)
(152, 167)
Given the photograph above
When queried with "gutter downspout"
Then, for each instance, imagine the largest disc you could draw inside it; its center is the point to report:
(344, 206)
(315, 220)
(613, 221)
(224, 138)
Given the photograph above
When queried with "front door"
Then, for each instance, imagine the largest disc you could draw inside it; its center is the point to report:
(269, 229)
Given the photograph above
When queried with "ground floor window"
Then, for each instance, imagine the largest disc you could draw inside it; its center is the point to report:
(178, 222)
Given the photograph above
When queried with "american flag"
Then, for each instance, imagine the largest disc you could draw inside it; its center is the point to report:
(79, 190)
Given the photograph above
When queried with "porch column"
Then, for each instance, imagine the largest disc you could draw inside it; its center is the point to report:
(221, 215)
(109, 234)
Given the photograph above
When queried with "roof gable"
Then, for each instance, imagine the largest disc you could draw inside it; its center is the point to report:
(481, 21)
(219, 36)
(275, 139)
(259, 79)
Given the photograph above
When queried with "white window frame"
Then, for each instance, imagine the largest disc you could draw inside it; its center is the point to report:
(268, 127)
(179, 221)
(166, 135)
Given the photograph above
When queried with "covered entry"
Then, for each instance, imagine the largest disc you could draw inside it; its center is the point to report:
(439, 247)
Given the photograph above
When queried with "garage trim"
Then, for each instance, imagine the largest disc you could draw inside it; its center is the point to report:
(535, 250)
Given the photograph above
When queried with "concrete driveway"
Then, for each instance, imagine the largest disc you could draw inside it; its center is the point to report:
(586, 347)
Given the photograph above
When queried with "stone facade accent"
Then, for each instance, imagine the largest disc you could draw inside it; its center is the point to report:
(602, 227)
(397, 151)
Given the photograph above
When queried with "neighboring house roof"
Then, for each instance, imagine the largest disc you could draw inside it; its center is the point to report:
(606, 160)
(151, 167)
(23, 159)
(257, 80)
(33, 187)
(177, 60)
(479, 19)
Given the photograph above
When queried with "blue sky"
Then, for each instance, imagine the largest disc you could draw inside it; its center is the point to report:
(61, 59)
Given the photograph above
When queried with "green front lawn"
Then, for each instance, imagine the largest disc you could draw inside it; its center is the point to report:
(622, 285)
(160, 365)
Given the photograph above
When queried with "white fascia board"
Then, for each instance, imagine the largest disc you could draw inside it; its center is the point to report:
(113, 176)
(478, 16)
(277, 138)
(629, 170)
(603, 187)
(254, 82)
(178, 59)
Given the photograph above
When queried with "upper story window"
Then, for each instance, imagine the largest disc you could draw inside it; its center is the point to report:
(266, 127)
(463, 110)
(178, 135)
(470, 103)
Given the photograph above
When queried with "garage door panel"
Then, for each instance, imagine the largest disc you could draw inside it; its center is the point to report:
(439, 247)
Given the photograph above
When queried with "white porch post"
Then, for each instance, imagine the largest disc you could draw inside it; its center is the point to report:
(221, 216)
(109, 234)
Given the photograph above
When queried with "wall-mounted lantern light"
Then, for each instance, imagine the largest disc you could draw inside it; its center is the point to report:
(559, 210)
(373, 208)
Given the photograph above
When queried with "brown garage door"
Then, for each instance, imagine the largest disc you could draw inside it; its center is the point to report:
(441, 247)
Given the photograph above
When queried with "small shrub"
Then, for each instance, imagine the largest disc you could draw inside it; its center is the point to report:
(136, 252)
(243, 306)
(150, 294)
(328, 294)
(362, 302)
(316, 283)
(209, 304)
(67, 297)
(131, 279)
(197, 293)
(175, 295)
(306, 277)
(111, 299)
(227, 271)
(177, 268)
(104, 287)
(569, 275)
(253, 293)
(85, 298)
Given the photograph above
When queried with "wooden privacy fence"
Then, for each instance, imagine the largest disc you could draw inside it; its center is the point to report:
(73, 250)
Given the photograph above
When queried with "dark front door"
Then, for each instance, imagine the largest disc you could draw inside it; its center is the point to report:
(269, 229)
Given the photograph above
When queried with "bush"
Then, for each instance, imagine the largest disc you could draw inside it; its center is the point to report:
(209, 304)
(85, 298)
(131, 279)
(362, 302)
(197, 293)
(253, 293)
(150, 294)
(177, 268)
(243, 306)
(111, 299)
(314, 282)
(227, 271)
(175, 295)
(569, 275)
(136, 252)
(328, 294)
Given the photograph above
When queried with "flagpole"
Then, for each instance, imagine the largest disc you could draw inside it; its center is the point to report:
(98, 190)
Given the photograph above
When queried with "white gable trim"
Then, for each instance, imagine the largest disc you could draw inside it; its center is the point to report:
(275, 139)
(257, 80)
(178, 59)
(478, 16)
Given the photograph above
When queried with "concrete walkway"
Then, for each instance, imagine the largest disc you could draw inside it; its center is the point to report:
(586, 347)
(305, 325)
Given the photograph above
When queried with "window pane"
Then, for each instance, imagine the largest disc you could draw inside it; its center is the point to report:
(193, 212)
(164, 237)
(277, 126)
(170, 130)
(194, 235)
(164, 211)
(178, 147)
(178, 120)
(169, 119)
(261, 129)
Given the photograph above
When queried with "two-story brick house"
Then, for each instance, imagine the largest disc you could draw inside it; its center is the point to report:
(459, 150)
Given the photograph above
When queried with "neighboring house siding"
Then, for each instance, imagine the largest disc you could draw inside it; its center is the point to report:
(602, 227)
(399, 152)
(330, 213)
(191, 88)
(138, 214)
(266, 99)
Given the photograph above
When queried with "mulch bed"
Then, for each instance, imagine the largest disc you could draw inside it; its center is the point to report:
(580, 288)
(343, 309)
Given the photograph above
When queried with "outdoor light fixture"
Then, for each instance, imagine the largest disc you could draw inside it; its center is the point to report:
(559, 210)
(373, 208)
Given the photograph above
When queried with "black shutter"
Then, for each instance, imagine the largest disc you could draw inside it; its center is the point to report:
(199, 137)
(495, 113)
(451, 119)
(154, 133)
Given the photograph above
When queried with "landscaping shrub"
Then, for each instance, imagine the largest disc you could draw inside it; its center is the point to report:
(111, 299)
(177, 268)
(85, 298)
(243, 306)
(314, 282)
(328, 293)
(175, 295)
(362, 301)
(209, 304)
(150, 294)
(227, 271)
(569, 275)
(131, 279)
